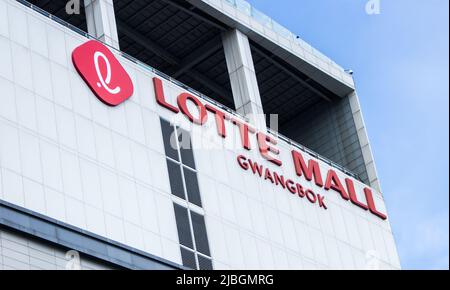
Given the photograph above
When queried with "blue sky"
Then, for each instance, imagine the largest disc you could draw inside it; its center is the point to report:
(400, 60)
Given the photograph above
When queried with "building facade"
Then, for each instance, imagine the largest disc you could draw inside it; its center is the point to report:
(134, 134)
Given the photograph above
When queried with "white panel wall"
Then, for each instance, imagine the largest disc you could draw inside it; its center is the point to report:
(18, 252)
(65, 154)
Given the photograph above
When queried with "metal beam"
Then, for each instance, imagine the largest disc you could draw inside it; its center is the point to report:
(141, 10)
(149, 17)
(45, 3)
(212, 85)
(147, 43)
(296, 77)
(198, 55)
(172, 59)
(195, 15)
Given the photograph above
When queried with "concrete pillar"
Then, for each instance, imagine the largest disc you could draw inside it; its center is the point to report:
(101, 21)
(364, 142)
(243, 77)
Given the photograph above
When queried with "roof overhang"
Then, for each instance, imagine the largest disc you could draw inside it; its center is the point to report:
(295, 52)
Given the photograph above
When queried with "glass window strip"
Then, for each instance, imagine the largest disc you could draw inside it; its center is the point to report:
(185, 147)
(192, 206)
(192, 187)
(188, 258)
(204, 263)
(167, 132)
(200, 237)
(176, 179)
(184, 227)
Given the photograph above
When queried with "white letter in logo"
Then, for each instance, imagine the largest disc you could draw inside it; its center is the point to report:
(73, 7)
(373, 7)
(73, 258)
(104, 82)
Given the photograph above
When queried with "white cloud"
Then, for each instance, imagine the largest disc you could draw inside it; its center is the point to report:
(425, 245)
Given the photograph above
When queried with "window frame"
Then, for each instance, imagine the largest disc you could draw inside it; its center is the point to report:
(185, 203)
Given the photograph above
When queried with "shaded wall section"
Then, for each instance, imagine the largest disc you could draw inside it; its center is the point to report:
(19, 251)
(329, 129)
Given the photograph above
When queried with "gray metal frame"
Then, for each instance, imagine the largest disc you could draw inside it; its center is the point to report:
(67, 236)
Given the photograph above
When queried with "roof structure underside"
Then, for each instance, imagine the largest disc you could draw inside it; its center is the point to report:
(185, 43)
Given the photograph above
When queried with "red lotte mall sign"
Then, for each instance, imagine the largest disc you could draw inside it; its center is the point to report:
(109, 81)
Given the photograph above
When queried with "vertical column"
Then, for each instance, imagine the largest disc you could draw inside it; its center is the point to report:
(364, 141)
(243, 77)
(101, 21)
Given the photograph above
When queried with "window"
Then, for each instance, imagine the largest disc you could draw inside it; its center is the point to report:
(183, 226)
(176, 179)
(192, 190)
(204, 263)
(201, 240)
(191, 226)
(184, 139)
(188, 258)
(180, 163)
(169, 145)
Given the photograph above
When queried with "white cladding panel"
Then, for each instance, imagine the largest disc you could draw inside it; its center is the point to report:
(19, 252)
(65, 154)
